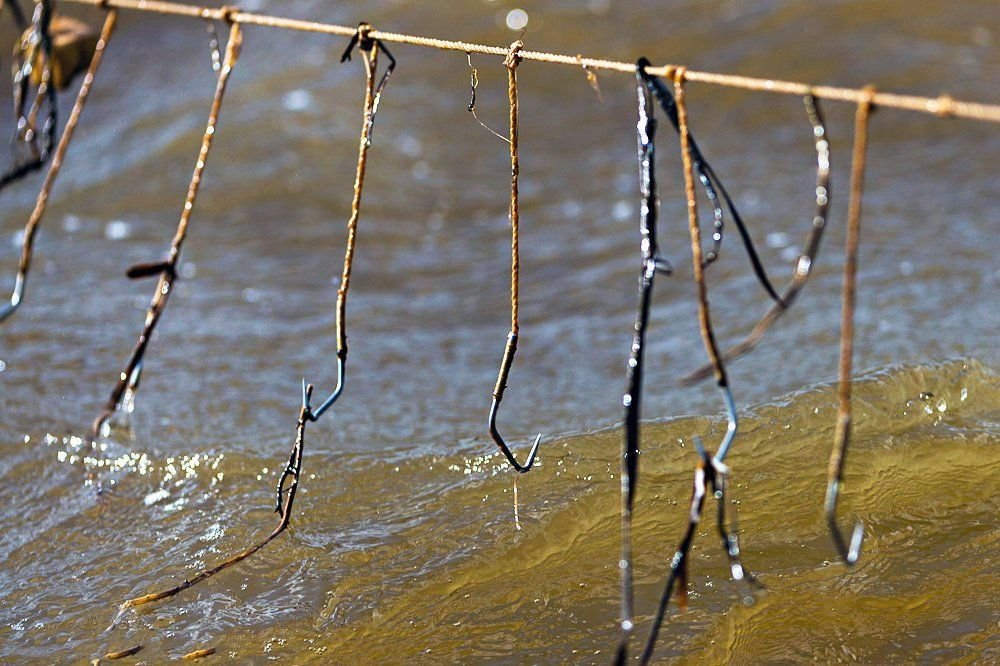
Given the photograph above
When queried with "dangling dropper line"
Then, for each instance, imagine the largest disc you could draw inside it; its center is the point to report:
(511, 63)
(286, 496)
(710, 470)
(128, 379)
(369, 50)
(849, 552)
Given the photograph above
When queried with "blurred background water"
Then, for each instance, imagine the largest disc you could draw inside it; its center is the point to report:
(403, 545)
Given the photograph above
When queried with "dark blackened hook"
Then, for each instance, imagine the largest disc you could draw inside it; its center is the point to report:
(651, 264)
(711, 183)
(508, 360)
(806, 261)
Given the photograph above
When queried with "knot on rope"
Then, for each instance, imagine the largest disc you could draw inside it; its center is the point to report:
(868, 97)
(227, 13)
(943, 106)
(513, 58)
(362, 39)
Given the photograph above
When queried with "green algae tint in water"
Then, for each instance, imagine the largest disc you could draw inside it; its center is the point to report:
(403, 546)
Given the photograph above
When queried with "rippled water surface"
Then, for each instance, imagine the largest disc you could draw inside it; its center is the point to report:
(404, 545)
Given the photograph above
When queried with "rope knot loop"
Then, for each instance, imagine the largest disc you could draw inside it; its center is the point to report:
(868, 97)
(227, 13)
(362, 39)
(365, 41)
(513, 58)
(943, 106)
(677, 74)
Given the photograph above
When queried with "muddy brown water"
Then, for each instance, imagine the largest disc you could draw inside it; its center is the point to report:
(404, 546)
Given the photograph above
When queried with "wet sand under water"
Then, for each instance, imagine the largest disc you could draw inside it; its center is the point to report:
(403, 545)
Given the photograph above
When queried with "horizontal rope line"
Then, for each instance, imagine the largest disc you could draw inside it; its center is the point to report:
(943, 105)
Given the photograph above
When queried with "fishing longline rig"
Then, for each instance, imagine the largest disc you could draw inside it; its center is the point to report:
(74, 47)
(712, 468)
(123, 394)
(285, 497)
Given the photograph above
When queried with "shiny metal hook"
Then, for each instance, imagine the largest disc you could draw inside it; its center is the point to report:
(7, 309)
(501, 385)
(732, 424)
(329, 402)
(849, 552)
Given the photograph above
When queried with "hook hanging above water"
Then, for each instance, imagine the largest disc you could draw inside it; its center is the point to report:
(849, 551)
(128, 379)
(370, 49)
(511, 63)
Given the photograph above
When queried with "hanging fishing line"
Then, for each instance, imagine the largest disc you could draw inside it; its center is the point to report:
(285, 496)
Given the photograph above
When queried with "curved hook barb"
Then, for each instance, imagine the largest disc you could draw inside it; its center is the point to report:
(501, 385)
(732, 424)
(9, 308)
(710, 182)
(806, 261)
(849, 552)
(313, 415)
